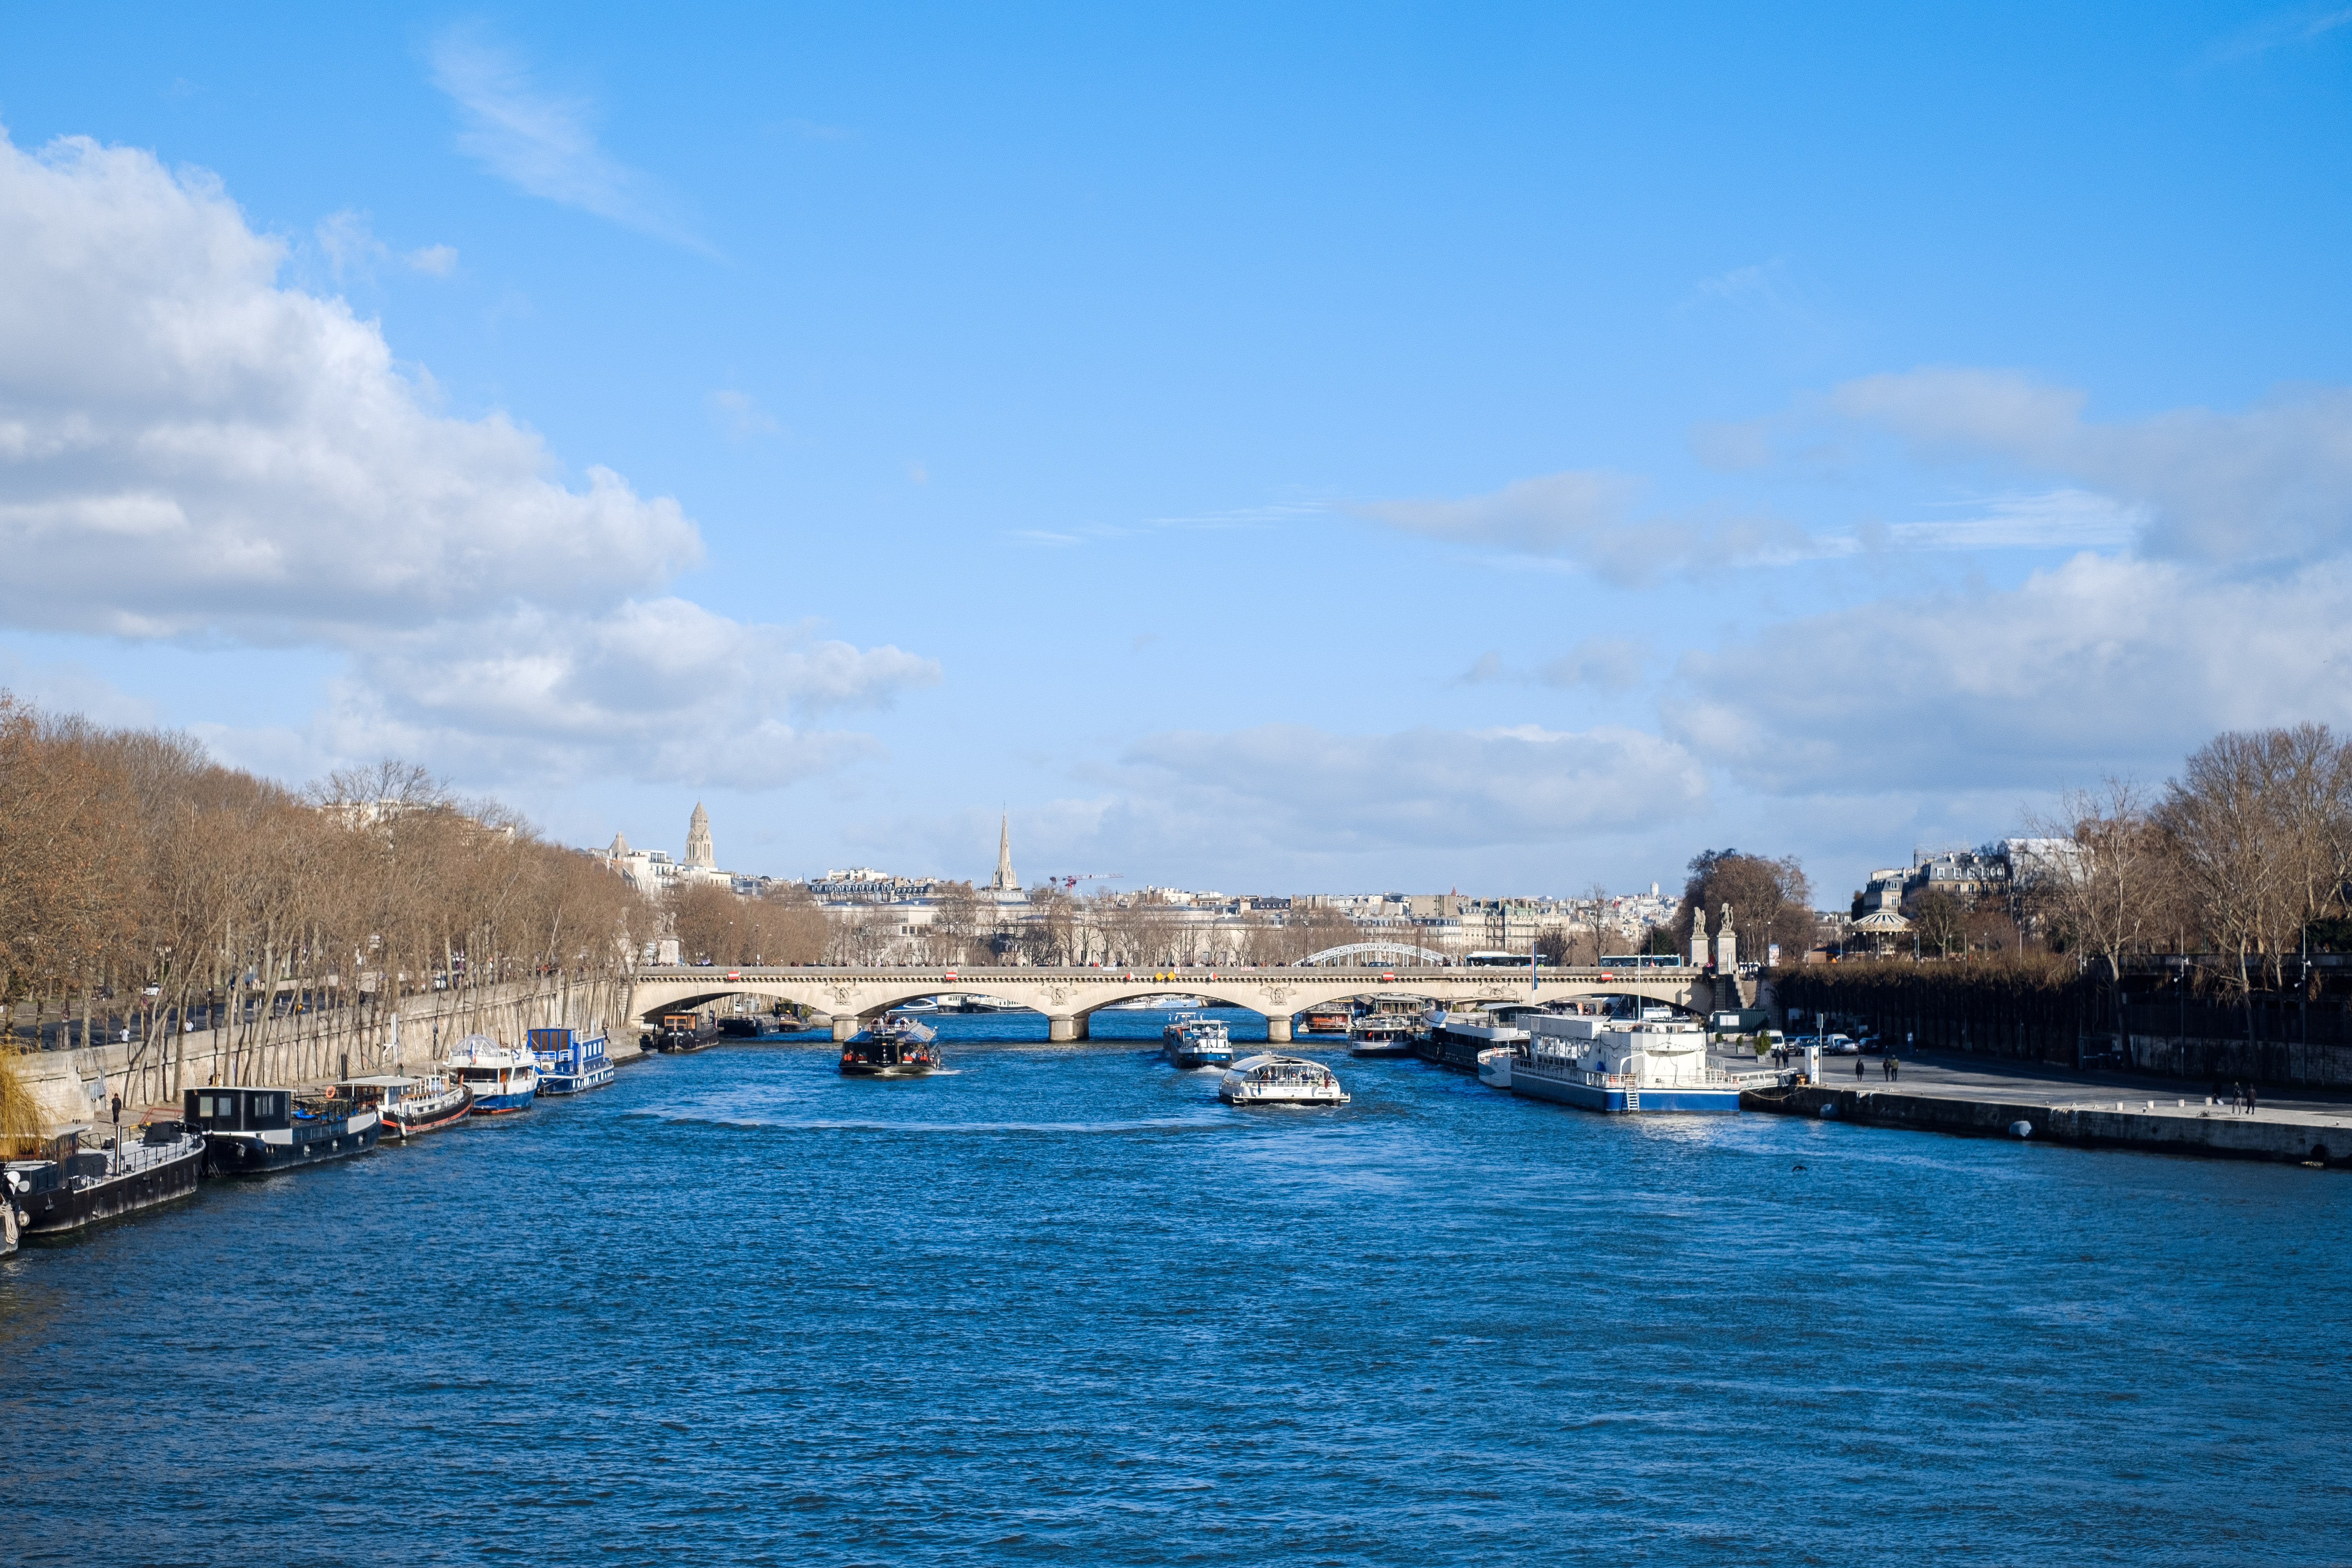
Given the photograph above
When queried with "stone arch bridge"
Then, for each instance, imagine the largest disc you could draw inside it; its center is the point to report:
(851, 998)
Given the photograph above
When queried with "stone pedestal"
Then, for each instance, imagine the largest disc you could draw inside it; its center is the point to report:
(1277, 1030)
(844, 1027)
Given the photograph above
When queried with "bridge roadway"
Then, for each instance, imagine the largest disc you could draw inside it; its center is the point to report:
(852, 998)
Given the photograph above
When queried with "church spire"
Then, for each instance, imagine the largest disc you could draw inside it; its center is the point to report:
(1005, 881)
(697, 841)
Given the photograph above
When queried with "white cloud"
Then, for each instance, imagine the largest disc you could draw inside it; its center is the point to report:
(542, 144)
(1598, 662)
(738, 416)
(2056, 520)
(2101, 664)
(347, 240)
(1585, 516)
(189, 450)
(1308, 790)
(2269, 486)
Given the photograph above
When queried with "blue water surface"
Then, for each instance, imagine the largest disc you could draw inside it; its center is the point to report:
(1059, 1305)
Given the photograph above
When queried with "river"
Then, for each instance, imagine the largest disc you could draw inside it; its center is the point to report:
(1060, 1306)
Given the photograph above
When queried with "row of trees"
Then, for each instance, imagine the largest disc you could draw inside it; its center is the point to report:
(140, 880)
(2246, 854)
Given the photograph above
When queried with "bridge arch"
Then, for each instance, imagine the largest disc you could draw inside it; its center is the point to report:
(1373, 949)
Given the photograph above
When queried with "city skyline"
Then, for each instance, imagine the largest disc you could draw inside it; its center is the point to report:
(1325, 450)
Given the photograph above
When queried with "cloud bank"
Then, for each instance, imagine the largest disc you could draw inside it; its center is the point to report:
(189, 450)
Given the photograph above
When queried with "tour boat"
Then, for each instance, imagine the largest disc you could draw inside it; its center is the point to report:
(1381, 1034)
(1331, 1019)
(1274, 1080)
(1494, 1065)
(1189, 1040)
(411, 1105)
(894, 1048)
(504, 1079)
(249, 1131)
(1620, 1065)
(568, 1063)
(1453, 1039)
(93, 1173)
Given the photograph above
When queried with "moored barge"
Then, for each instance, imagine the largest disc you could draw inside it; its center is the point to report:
(89, 1175)
(250, 1131)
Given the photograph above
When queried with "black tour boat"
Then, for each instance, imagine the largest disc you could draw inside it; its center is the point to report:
(93, 1173)
(254, 1129)
(894, 1048)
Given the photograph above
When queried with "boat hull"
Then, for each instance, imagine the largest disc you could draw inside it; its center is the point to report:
(248, 1154)
(505, 1104)
(400, 1122)
(887, 1070)
(1618, 1099)
(1452, 1050)
(66, 1210)
(1376, 1049)
(575, 1082)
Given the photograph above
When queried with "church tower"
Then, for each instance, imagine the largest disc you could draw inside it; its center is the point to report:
(697, 841)
(1004, 881)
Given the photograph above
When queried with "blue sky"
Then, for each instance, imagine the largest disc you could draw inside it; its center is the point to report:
(1269, 448)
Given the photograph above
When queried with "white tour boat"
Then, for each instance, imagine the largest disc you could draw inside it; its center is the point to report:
(1272, 1079)
(1620, 1065)
(1494, 1065)
(503, 1078)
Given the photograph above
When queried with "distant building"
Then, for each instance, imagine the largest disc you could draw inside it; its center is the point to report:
(655, 874)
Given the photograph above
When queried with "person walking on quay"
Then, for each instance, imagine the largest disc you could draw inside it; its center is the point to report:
(1857, 1066)
(1895, 1068)
(2250, 1106)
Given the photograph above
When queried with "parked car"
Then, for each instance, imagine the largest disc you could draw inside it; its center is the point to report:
(1839, 1046)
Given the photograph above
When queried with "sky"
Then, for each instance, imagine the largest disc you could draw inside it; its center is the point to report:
(1269, 448)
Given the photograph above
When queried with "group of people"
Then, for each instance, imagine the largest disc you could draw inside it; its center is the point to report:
(2239, 1096)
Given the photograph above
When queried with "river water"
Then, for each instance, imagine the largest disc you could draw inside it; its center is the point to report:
(1060, 1306)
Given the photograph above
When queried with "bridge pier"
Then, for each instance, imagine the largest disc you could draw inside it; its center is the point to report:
(1277, 1030)
(1061, 1030)
(843, 1027)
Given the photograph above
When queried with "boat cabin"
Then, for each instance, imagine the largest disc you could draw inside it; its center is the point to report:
(563, 1051)
(385, 1089)
(240, 1109)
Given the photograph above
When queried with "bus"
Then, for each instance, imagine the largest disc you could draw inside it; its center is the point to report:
(1498, 960)
(1643, 961)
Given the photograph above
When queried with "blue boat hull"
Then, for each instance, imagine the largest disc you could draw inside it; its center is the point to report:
(1602, 1098)
(501, 1104)
(573, 1083)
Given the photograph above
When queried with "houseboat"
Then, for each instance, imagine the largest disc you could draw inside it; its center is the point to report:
(893, 1047)
(568, 1063)
(1274, 1080)
(1620, 1065)
(504, 1078)
(684, 1032)
(88, 1174)
(1331, 1018)
(1189, 1040)
(410, 1106)
(250, 1131)
(1454, 1038)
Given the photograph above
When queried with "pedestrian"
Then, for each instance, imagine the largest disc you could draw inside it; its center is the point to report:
(1857, 1066)
(1894, 1069)
(2250, 1106)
